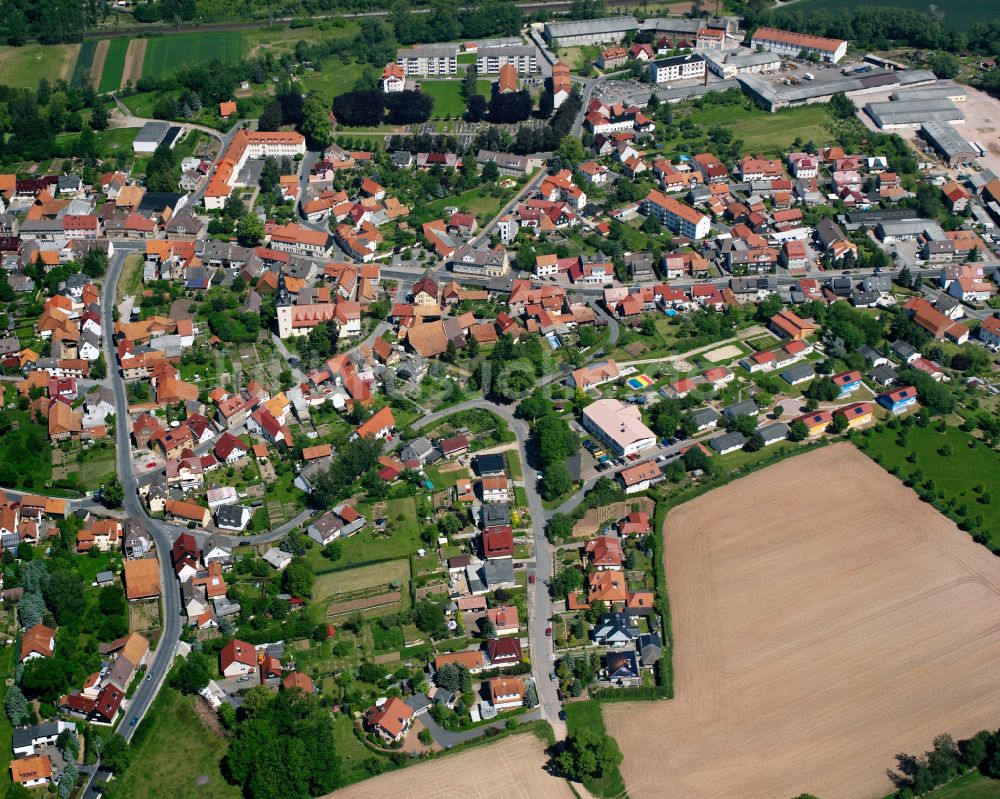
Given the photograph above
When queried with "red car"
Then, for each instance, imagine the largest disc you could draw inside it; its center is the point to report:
(531, 579)
(548, 631)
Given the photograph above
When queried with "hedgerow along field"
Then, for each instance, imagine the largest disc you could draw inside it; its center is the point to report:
(166, 54)
(114, 66)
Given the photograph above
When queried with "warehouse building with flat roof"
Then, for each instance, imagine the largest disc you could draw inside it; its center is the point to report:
(948, 143)
(913, 113)
(944, 90)
(590, 31)
(773, 95)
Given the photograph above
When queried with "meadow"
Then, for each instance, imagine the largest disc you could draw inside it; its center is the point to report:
(165, 54)
(24, 66)
(448, 100)
(956, 462)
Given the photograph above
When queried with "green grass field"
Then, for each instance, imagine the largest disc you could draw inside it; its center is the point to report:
(448, 101)
(959, 14)
(282, 39)
(587, 716)
(171, 734)
(114, 65)
(971, 785)
(23, 67)
(955, 475)
(768, 133)
(328, 585)
(166, 54)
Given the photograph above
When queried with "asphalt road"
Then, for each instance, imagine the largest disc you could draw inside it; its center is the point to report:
(162, 657)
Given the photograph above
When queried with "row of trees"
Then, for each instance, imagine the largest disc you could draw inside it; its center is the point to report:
(371, 107)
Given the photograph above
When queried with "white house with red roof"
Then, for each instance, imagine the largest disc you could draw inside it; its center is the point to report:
(237, 659)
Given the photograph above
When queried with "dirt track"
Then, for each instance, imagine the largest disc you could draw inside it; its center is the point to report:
(824, 620)
(97, 66)
(134, 57)
(510, 769)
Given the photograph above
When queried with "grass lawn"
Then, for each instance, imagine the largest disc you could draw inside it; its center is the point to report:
(447, 94)
(954, 475)
(328, 585)
(131, 280)
(479, 202)
(587, 716)
(166, 53)
(959, 14)
(23, 67)
(282, 39)
(141, 105)
(109, 142)
(114, 66)
(446, 478)
(350, 750)
(170, 734)
(514, 464)
(364, 546)
(971, 785)
(334, 79)
(761, 131)
(6, 730)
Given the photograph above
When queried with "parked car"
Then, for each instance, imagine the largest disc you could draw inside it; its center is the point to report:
(548, 631)
(531, 579)
(562, 715)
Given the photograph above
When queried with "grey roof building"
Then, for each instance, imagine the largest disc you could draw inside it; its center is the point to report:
(742, 408)
(799, 373)
(495, 514)
(947, 142)
(773, 433)
(498, 573)
(706, 418)
(728, 442)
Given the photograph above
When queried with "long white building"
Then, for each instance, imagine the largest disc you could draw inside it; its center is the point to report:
(680, 67)
(792, 44)
(429, 60)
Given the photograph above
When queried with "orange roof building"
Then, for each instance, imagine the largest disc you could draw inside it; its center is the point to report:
(142, 578)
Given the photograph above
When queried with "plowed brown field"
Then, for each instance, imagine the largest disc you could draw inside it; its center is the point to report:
(513, 768)
(824, 620)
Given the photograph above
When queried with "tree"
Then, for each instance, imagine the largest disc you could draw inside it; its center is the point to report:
(589, 754)
(112, 493)
(99, 116)
(570, 151)
(16, 706)
(944, 65)
(270, 117)
(192, 675)
(429, 617)
(842, 106)
(250, 230)
(408, 107)
(476, 108)
(46, 678)
(115, 754)
(745, 424)
(30, 609)
(315, 124)
(556, 481)
(511, 107)
(491, 174)
(64, 595)
(840, 423)
(67, 782)
(359, 109)
(99, 368)
(798, 431)
(297, 579)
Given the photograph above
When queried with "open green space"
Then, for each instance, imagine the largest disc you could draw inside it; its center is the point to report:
(25, 453)
(956, 462)
(971, 785)
(114, 66)
(400, 539)
(23, 67)
(173, 734)
(958, 14)
(587, 716)
(166, 54)
(6, 730)
(447, 94)
(760, 131)
(332, 80)
(109, 142)
(351, 751)
(334, 586)
(282, 39)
